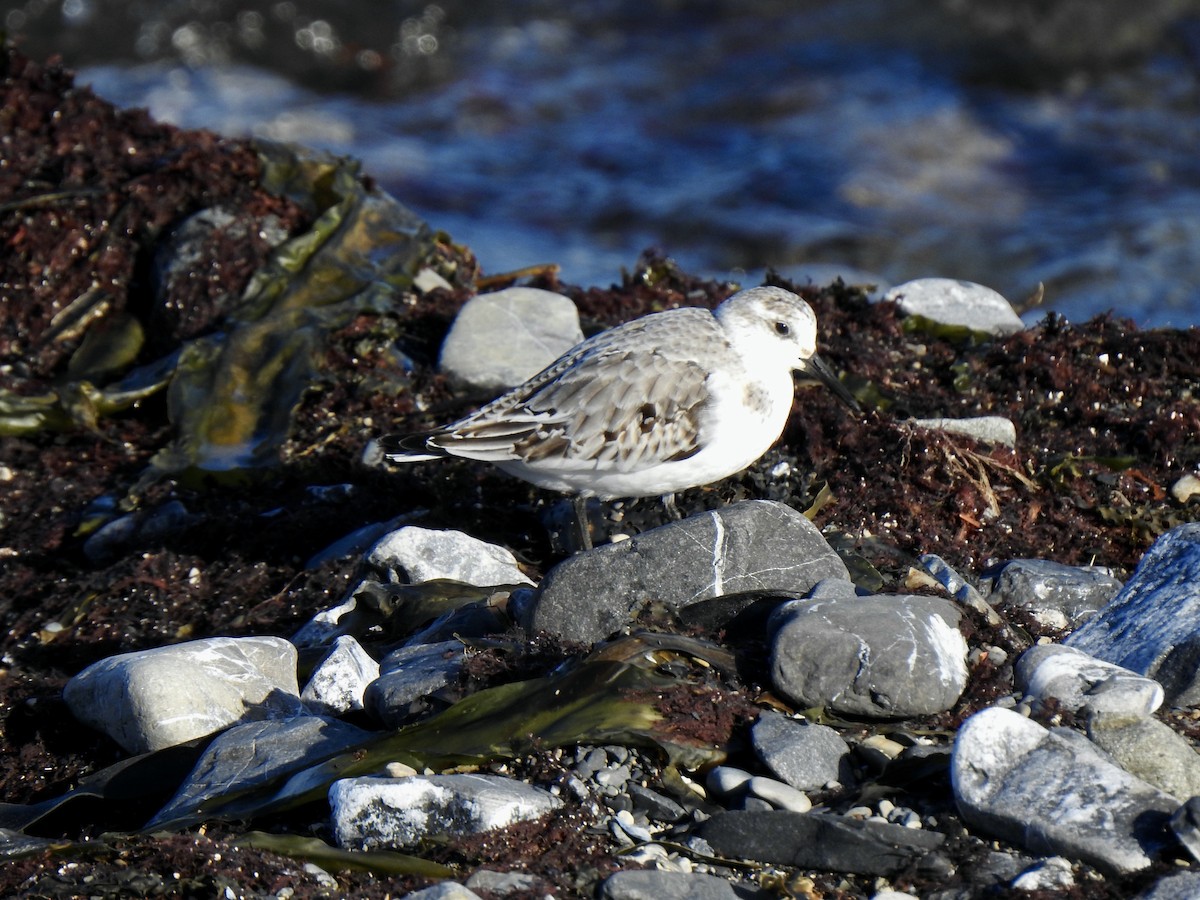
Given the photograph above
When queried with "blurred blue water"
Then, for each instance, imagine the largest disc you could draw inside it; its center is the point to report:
(889, 140)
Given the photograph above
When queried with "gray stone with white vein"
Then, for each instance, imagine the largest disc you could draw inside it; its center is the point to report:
(1152, 626)
(150, 699)
(750, 546)
(1016, 780)
(498, 340)
(374, 813)
(880, 656)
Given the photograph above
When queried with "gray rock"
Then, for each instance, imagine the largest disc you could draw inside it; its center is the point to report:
(410, 674)
(499, 340)
(150, 699)
(1076, 680)
(413, 554)
(338, 682)
(498, 884)
(1176, 886)
(883, 656)
(246, 756)
(1014, 779)
(1185, 824)
(727, 781)
(778, 794)
(954, 302)
(648, 884)
(804, 755)
(1149, 750)
(819, 841)
(1048, 875)
(372, 813)
(139, 529)
(755, 545)
(655, 805)
(446, 890)
(986, 429)
(1152, 625)
(1057, 596)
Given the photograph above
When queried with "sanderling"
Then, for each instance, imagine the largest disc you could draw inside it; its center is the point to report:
(672, 400)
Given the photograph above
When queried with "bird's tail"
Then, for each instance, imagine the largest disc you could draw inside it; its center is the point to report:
(409, 448)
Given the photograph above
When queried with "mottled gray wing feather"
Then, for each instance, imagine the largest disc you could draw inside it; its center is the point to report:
(620, 401)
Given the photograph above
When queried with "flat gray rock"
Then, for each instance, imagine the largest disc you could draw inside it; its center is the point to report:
(410, 674)
(338, 682)
(246, 756)
(882, 656)
(954, 302)
(499, 340)
(1075, 680)
(806, 756)
(445, 890)
(1014, 779)
(157, 698)
(1152, 626)
(1176, 886)
(819, 841)
(756, 545)
(649, 884)
(373, 813)
(986, 429)
(1057, 595)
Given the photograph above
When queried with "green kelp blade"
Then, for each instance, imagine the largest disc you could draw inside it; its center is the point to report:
(598, 702)
(314, 850)
(233, 394)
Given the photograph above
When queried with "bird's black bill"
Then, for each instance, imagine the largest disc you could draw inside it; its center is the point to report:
(816, 371)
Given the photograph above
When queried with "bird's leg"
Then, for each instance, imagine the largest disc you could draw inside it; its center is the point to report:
(668, 502)
(579, 502)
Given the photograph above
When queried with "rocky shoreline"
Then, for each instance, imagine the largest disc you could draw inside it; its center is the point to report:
(899, 654)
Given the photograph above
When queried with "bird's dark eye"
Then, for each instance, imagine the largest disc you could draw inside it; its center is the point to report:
(783, 328)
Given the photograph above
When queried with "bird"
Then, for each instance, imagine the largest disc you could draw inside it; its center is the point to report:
(668, 401)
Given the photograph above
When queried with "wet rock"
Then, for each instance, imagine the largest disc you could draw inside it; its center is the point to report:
(498, 340)
(886, 655)
(648, 884)
(1149, 750)
(953, 302)
(1057, 596)
(806, 756)
(409, 675)
(371, 813)
(246, 756)
(986, 429)
(338, 682)
(1152, 626)
(1014, 779)
(412, 554)
(1075, 680)
(150, 699)
(1177, 886)
(820, 841)
(751, 546)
